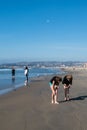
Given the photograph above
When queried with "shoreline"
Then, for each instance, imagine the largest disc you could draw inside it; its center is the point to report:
(7, 84)
(65, 70)
(31, 79)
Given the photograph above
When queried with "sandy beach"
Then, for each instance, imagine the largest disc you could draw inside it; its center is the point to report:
(31, 108)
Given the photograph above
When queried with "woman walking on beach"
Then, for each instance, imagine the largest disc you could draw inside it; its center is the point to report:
(67, 82)
(26, 74)
(54, 85)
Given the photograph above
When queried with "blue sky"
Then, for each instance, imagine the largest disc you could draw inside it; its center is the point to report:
(43, 30)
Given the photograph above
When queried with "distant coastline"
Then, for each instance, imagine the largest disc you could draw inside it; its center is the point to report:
(42, 64)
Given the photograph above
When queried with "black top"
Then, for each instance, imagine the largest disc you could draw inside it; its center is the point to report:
(67, 81)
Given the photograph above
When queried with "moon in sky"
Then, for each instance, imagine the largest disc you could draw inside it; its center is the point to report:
(48, 21)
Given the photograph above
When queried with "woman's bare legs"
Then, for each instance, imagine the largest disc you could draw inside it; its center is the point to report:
(53, 94)
(56, 96)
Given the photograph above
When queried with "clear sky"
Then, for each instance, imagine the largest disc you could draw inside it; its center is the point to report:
(43, 30)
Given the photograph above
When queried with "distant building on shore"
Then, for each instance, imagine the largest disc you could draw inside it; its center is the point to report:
(85, 65)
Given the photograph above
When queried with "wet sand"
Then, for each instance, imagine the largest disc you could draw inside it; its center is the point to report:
(31, 108)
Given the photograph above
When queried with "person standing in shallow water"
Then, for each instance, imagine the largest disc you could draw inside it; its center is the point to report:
(67, 82)
(13, 73)
(26, 72)
(54, 85)
(13, 77)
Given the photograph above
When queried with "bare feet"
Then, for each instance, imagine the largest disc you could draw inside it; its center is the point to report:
(52, 102)
(56, 102)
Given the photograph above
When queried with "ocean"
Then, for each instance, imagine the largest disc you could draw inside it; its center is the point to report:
(7, 84)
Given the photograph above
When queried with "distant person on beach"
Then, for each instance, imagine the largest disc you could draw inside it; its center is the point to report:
(67, 82)
(13, 73)
(54, 85)
(26, 74)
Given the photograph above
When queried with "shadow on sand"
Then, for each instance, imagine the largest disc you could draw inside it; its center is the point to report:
(75, 98)
(78, 98)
